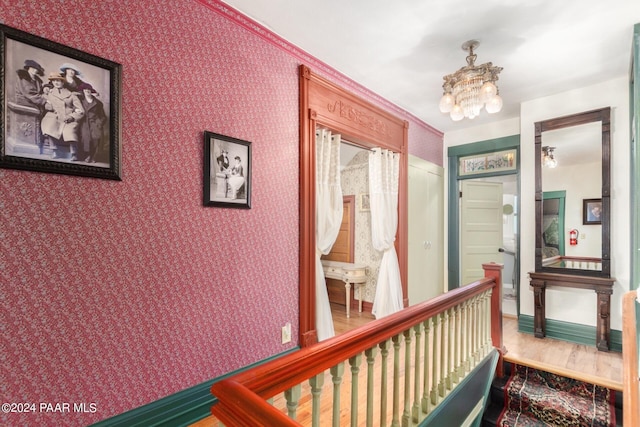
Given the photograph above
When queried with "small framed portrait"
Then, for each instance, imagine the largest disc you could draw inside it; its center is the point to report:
(365, 203)
(591, 211)
(227, 171)
(60, 108)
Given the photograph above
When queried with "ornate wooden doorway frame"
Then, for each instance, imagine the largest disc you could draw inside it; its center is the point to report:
(323, 103)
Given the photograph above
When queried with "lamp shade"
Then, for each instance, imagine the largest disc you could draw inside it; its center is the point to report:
(456, 113)
(494, 104)
(488, 91)
(446, 103)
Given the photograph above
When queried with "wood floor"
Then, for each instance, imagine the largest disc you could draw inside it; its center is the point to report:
(569, 359)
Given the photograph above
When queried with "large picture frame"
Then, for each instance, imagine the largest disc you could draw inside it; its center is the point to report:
(591, 211)
(59, 108)
(227, 171)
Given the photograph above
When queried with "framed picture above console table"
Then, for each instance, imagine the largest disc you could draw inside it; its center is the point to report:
(603, 287)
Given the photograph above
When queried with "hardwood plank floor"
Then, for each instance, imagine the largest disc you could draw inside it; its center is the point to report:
(573, 360)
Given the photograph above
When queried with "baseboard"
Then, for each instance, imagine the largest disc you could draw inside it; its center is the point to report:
(572, 332)
(180, 409)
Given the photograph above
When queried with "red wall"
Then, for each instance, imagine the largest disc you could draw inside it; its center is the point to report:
(120, 293)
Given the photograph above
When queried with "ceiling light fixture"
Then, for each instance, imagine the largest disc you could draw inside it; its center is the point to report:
(548, 159)
(471, 87)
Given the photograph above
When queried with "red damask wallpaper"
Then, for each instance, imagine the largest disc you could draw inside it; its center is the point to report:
(115, 294)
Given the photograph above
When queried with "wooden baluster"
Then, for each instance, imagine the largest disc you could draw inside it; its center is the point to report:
(415, 413)
(292, 396)
(406, 413)
(459, 341)
(371, 358)
(467, 337)
(484, 310)
(483, 324)
(476, 331)
(464, 337)
(426, 403)
(436, 358)
(384, 352)
(443, 353)
(316, 382)
(452, 338)
(487, 322)
(395, 420)
(480, 328)
(336, 376)
(355, 370)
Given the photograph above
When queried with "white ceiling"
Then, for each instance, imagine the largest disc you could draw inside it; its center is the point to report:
(402, 49)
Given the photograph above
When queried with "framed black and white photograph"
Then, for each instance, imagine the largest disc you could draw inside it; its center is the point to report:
(365, 203)
(227, 171)
(60, 108)
(591, 211)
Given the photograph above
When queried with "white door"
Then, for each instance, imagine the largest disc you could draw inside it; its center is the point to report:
(426, 230)
(480, 227)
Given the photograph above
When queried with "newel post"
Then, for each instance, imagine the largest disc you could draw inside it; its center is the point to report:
(494, 271)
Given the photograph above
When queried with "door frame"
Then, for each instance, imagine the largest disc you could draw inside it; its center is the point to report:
(561, 195)
(634, 113)
(325, 104)
(453, 215)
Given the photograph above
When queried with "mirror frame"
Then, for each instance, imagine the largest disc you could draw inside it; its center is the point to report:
(602, 115)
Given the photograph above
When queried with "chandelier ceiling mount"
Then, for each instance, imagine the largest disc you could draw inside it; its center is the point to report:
(471, 87)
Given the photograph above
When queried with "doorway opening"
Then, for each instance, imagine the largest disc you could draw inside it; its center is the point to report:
(359, 122)
(490, 171)
(353, 244)
(506, 235)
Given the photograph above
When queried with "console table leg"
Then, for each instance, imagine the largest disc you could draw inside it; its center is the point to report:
(603, 327)
(539, 312)
(347, 287)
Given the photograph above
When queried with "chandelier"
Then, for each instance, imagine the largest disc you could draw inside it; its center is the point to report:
(471, 87)
(548, 159)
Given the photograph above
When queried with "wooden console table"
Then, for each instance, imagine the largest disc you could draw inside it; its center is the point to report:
(349, 273)
(603, 286)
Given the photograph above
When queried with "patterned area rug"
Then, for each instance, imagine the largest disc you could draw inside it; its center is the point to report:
(538, 398)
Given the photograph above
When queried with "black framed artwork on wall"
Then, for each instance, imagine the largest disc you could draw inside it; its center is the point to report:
(227, 171)
(591, 211)
(60, 108)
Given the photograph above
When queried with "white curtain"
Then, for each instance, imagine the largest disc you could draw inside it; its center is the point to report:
(328, 220)
(384, 168)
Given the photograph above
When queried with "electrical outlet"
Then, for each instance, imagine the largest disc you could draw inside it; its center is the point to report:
(286, 333)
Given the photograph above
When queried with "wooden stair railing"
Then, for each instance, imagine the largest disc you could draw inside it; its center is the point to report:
(459, 329)
(630, 379)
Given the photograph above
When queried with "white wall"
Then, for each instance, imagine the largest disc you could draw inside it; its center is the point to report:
(493, 130)
(569, 305)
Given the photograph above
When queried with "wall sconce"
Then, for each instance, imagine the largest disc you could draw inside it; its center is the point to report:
(548, 159)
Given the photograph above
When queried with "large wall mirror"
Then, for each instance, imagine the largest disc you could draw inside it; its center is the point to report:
(572, 194)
